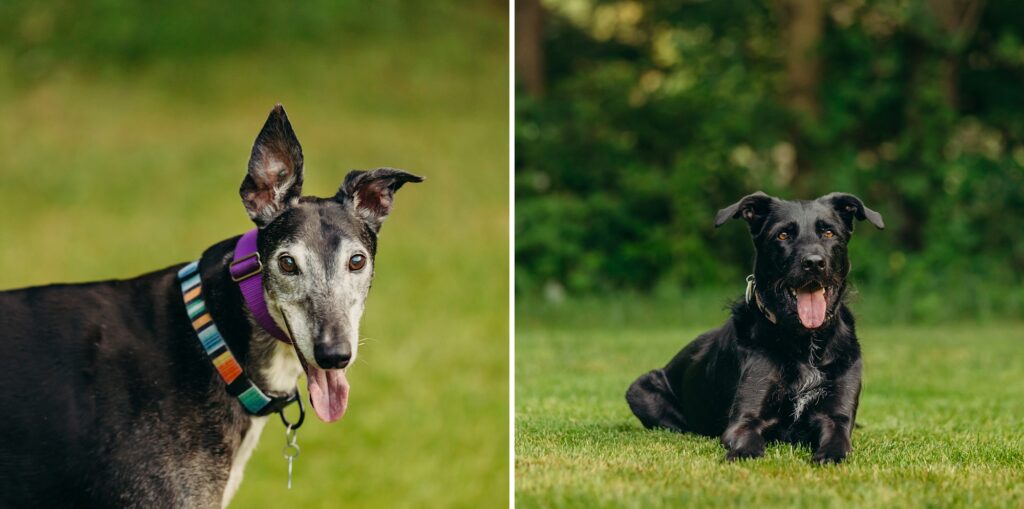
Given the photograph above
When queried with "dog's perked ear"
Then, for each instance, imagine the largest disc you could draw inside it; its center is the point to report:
(371, 194)
(849, 207)
(753, 208)
(274, 180)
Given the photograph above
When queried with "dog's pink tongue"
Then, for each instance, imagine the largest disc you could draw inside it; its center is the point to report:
(328, 392)
(810, 305)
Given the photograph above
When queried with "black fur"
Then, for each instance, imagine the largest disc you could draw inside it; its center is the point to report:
(757, 378)
(110, 400)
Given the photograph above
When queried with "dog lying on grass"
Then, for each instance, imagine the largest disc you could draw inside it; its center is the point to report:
(787, 365)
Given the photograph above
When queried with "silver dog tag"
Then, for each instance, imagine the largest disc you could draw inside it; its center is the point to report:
(291, 449)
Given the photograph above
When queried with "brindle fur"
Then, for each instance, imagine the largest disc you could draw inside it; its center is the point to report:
(109, 399)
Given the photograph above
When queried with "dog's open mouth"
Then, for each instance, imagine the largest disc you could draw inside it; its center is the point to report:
(328, 390)
(811, 304)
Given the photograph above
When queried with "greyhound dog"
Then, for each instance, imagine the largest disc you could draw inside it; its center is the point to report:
(786, 366)
(153, 391)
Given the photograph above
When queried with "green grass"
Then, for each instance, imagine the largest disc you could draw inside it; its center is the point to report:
(109, 172)
(941, 414)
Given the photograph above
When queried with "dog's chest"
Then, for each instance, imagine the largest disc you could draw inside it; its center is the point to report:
(279, 371)
(806, 388)
(249, 441)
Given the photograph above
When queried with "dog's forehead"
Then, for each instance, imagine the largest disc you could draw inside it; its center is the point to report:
(319, 224)
(804, 212)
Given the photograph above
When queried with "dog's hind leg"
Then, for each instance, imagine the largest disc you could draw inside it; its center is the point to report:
(653, 402)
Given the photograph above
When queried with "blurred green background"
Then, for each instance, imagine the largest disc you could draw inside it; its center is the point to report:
(637, 121)
(125, 128)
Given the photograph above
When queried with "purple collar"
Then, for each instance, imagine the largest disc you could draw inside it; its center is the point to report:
(247, 270)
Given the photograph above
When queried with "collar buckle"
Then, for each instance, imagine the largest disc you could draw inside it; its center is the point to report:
(245, 267)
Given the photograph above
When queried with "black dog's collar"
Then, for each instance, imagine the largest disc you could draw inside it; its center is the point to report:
(752, 291)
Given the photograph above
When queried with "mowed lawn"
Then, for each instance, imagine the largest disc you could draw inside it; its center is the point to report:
(108, 173)
(941, 415)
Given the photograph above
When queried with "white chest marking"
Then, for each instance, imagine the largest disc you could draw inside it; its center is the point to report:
(283, 370)
(249, 441)
(807, 389)
(280, 374)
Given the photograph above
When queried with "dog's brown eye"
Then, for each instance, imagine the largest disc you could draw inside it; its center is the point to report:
(287, 264)
(828, 234)
(356, 262)
(783, 236)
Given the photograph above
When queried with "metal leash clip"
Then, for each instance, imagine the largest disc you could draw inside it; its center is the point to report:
(291, 434)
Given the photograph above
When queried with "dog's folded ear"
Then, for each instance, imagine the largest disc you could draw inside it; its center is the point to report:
(371, 194)
(849, 207)
(753, 208)
(274, 180)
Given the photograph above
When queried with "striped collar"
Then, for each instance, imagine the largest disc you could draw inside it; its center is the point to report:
(239, 385)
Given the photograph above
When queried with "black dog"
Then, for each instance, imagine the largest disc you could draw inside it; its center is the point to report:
(787, 365)
(153, 391)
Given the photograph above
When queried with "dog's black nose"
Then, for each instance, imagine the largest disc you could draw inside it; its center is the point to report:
(813, 263)
(334, 355)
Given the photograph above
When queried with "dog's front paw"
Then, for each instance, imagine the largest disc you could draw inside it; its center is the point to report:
(834, 452)
(744, 446)
(744, 453)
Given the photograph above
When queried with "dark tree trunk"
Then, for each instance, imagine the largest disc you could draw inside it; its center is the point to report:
(530, 46)
(957, 20)
(802, 23)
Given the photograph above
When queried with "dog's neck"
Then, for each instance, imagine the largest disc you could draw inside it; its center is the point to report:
(271, 364)
(752, 293)
(798, 342)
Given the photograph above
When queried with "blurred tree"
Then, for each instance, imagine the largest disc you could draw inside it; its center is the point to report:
(657, 113)
(803, 23)
(957, 19)
(529, 45)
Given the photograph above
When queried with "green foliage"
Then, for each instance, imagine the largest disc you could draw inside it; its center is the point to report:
(657, 114)
(938, 418)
